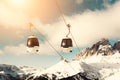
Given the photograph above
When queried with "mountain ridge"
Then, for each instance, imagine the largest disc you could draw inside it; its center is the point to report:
(102, 47)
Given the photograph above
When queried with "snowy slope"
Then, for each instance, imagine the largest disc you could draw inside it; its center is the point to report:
(96, 67)
(108, 66)
(30, 70)
(63, 69)
(11, 72)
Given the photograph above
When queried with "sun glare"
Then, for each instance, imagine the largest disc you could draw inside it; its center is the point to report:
(17, 2)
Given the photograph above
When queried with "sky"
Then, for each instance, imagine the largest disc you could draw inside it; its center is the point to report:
(90, 20)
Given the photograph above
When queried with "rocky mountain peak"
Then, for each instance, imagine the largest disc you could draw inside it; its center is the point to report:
(117, 46)
(102, 42)
(102, 47)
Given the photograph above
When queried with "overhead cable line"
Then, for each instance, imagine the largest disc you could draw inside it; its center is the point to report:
(68, 25)
(61, 12)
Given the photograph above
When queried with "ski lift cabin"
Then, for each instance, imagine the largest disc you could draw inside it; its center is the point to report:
(67, 45)
(32, 44)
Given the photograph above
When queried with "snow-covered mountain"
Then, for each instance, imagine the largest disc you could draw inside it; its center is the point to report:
(96, 67)
(11, 72)
(100, 62)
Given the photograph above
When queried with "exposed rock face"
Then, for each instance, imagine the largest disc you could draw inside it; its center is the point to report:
(102, 47)
(103, 42)
(117, 46)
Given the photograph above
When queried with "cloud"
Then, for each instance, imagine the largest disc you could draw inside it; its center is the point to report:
(17, 50)
(21, 49)
(46, 49)
(12, 25)
(1, 52)
(79, 1)
(87, 28)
